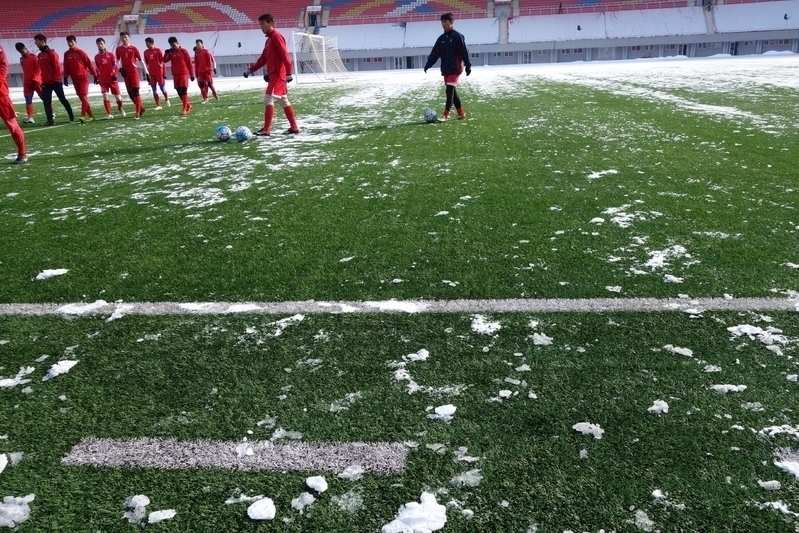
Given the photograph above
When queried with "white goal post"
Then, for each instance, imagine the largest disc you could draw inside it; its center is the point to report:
(316, 55)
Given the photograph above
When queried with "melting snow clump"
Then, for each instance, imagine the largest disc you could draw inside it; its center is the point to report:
(427, 516)
(587, 428)
(263, 509)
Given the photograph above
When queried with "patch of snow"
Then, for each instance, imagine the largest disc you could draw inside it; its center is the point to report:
(444, 413)
(263, 509)
(482, 325)
(687, 352)
(15, 510)
(659, 407)
(61, 367)
(724, 389)
(317, 483)
(472, 478)
(587, 428)
(423, 517)
(160, 516)
(47, 274)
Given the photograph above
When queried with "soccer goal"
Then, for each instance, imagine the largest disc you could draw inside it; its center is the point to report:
(317, 55)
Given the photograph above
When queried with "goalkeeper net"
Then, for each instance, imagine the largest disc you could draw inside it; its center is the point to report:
(317, 55)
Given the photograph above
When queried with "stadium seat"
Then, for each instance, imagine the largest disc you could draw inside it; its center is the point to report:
(402, 9)
(50, 15)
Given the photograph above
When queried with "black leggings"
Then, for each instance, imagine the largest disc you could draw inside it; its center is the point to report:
(452, 97)
(47, 98)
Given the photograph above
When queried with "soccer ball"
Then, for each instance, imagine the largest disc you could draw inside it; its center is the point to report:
(223, 133)
(243, 133)
(430, 116)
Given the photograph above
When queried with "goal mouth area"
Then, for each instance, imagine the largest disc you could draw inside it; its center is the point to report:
(316, 58)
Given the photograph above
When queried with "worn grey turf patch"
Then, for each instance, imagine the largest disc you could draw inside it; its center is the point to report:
(119, 309)
(171, 454)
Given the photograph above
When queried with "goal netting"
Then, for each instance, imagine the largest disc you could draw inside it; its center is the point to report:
(316, 55)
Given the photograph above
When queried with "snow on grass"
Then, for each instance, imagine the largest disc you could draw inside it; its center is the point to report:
(443, 413)
(724, 389)
(413, 517)
(352, 473)
(82, 309)
(47, 274)
(302, 501)
(687, 352)
(659, 407)
(587, 428)
(159, 516)
(471, 478)
(769, 485)
(393, 305)
(484, 326)
(15, 510)
(317, 483)
(61, 367)
(137, 508)
(19, 379)
(263, 509)
(350, 502)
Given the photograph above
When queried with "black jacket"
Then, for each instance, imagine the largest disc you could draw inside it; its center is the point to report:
(451, 48)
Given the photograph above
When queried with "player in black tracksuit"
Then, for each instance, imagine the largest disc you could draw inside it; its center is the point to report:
(451, 48)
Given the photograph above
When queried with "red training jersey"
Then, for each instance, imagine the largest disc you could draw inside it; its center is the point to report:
(77, 65)
(127, 57)
(154, 61)
(3, 72)
(275, 56)
(181, 62)
(204, 61)
(106, 67)
(30, 69)
(50, 66)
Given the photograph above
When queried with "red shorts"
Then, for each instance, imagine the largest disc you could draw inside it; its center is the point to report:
(7, 111)
(180, 81)
(205, 77)
(132, 80)
(157, 79)
(451, 79)
(29, 88)
(277, 87)
(81, 87)
(110, 87)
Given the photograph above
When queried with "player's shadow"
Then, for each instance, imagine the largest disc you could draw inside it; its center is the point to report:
(380, 127)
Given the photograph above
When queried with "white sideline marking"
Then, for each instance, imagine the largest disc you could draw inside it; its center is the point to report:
(586, 305)
(171, 454)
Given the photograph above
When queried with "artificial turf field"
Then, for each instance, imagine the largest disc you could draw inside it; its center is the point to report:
(643, 179)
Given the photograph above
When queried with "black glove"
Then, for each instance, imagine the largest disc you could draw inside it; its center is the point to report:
(246, 73)
(66, 81)
(289, 78)
(468, 70)
(214, 72)
(122, 72)
(425, 70)
(192, 78)
(266, 78)
(96, 81)
(113, 78)
(147, 76)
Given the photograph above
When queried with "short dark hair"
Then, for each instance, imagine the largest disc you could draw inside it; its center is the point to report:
(266, 17)
(123, 33)
(199, 41)
(172, 40)
(448, 16)
(72, 38)
(40, 37)
(149, 40)
(100, 40)
(19, 47)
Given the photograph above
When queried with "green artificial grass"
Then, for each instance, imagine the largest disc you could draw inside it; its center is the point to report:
(217, 377)
(367, 205)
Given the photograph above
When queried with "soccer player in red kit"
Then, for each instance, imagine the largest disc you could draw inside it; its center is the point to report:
(31, 79)
(50, 67)
(78, 66)
(182, 71)
(128, 55)
(107, 74)
(206, 68)
(7, 112)
(156, 70)
(278, 74)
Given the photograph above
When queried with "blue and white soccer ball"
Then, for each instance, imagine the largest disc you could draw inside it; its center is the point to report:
(430, 115)
(223, 133)
(243, 133)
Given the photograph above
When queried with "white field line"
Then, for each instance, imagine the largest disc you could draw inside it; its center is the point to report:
(119, 309)
(171, 454)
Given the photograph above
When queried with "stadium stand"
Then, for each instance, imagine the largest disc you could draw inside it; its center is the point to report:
(361, 11)
(224, 12)
(756, 17)
(88, 16)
